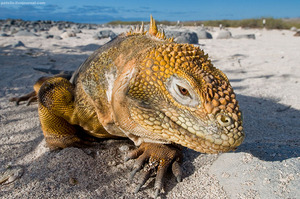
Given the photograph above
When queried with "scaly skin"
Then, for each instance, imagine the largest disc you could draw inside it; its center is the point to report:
(158, 93)
(198, 126)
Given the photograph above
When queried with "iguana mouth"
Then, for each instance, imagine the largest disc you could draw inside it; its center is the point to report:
(210, 139)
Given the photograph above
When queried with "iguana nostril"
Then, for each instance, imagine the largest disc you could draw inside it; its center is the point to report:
(224, 120)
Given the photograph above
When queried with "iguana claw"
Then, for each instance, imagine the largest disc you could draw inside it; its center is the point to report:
(30, 97)
(155, 158)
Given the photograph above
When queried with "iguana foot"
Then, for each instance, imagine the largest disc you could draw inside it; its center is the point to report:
(30, 97)
(155, 158)
(78, 140)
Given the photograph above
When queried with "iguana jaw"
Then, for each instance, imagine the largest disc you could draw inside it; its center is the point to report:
(207, 137)
(166, 124)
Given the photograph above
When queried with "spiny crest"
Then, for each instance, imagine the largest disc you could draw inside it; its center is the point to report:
(138, 30)
(153, 31)
(153, 28)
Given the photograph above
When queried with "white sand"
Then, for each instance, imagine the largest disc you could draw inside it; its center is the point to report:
(265, 73)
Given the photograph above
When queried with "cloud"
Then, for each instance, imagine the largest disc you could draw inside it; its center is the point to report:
(28, 12)
(88, 13)
(93, 9)
(57, 13)
(50, 8)
(83, 14)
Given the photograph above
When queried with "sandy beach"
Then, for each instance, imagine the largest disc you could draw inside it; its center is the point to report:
(264, 72)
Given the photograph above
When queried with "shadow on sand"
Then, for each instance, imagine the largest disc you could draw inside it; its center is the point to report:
(272, 134)
(272, 129)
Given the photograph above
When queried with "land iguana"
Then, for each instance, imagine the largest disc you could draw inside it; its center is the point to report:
(160, 94)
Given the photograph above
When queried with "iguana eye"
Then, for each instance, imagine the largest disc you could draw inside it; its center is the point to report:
(183, 91)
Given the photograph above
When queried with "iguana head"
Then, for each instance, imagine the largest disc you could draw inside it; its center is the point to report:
(182, 98)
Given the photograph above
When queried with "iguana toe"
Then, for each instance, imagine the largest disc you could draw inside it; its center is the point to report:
(29, 97)
(154, 158)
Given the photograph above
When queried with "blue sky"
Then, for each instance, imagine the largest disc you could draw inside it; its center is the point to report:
(102, 11)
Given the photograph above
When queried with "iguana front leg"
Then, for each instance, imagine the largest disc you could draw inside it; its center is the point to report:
(155, 158)
(56, 107)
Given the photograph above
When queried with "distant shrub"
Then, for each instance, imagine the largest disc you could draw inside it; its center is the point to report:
(271, 23)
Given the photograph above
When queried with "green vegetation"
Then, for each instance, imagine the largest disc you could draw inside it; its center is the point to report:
(271, 23)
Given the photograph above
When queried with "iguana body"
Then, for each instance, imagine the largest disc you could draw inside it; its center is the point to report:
(157, 93)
